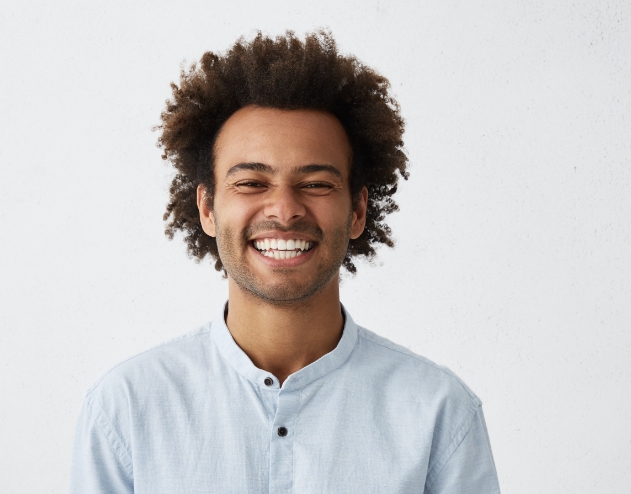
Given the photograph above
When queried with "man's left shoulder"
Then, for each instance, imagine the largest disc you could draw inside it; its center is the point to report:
(411, 372)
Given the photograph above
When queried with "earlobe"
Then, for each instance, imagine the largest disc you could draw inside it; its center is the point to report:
(359, 215)
(206, 216)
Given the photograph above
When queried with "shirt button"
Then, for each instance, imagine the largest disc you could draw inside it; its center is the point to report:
(282, 431)
(268, 381)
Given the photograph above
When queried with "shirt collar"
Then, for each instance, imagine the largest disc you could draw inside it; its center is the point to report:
(244, 366)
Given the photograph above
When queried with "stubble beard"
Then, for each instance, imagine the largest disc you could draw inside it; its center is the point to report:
(232, 247)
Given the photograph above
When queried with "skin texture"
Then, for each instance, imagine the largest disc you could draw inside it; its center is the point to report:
(284, 314)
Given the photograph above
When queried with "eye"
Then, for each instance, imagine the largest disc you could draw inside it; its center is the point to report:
(250, 186)
(250, 183)
(317, 188)
(317, 185)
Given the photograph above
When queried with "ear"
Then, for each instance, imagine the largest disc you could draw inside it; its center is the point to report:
(206, 216)
(359, 214)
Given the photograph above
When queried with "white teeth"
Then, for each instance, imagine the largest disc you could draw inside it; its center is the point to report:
(282, 249)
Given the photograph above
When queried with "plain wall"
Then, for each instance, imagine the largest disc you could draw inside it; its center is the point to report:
(512, 264)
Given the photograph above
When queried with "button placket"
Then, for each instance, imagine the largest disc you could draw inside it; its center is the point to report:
(281, 442)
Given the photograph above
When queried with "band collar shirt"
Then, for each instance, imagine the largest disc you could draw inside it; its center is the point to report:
(195, 415)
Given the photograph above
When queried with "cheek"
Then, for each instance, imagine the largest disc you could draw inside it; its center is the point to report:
(237, 213)
(332, 215)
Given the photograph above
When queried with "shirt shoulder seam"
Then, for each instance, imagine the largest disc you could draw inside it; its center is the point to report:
(117, 445)
(452, 447)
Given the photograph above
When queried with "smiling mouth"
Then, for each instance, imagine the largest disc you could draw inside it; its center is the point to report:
(282, 249)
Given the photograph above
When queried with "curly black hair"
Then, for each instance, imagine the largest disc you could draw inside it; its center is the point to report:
(283, 73)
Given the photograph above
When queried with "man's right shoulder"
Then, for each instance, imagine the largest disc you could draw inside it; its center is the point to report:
(170, 360)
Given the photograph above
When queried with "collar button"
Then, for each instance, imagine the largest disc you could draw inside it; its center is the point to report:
(268, 381)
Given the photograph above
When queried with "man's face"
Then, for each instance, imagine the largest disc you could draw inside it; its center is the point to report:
(282, 211)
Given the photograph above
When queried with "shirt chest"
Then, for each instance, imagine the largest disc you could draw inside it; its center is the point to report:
(331, 436)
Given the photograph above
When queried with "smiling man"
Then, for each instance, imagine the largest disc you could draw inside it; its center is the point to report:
(288, 155)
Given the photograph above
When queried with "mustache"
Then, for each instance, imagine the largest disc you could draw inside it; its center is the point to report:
(298, 227)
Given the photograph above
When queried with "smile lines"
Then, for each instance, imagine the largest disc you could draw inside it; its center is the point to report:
(282, 249)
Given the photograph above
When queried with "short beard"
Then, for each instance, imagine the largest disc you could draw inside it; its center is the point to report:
(284, 293)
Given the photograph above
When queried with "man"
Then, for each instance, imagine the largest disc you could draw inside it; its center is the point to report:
(287, 156)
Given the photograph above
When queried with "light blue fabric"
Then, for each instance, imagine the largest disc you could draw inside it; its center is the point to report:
(194, 415)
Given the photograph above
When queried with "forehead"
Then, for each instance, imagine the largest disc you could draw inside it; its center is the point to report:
(282, 138)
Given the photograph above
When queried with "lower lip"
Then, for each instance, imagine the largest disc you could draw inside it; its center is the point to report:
(285, 263)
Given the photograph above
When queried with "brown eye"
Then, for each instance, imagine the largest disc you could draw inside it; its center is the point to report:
(317, 185)
(250, 187)
(249, 184)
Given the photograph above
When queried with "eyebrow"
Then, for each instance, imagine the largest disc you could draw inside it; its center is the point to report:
(314, 168)
(255, 167)
(304, 169)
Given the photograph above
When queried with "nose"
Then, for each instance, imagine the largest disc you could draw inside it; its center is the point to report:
(284, 205)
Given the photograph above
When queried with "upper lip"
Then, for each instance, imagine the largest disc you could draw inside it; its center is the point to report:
(283, 236)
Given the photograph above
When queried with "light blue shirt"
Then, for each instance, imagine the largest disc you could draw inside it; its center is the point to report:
(195, 415)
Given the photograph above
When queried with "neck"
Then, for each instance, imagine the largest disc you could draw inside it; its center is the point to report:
(282, 339)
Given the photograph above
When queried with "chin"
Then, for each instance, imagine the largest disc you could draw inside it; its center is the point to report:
(282, 294)
(285, 292)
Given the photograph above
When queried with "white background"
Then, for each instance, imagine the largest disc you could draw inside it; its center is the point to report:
(513, 259)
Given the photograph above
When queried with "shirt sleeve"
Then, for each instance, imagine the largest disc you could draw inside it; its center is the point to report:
(100, 463)
(470, 469)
